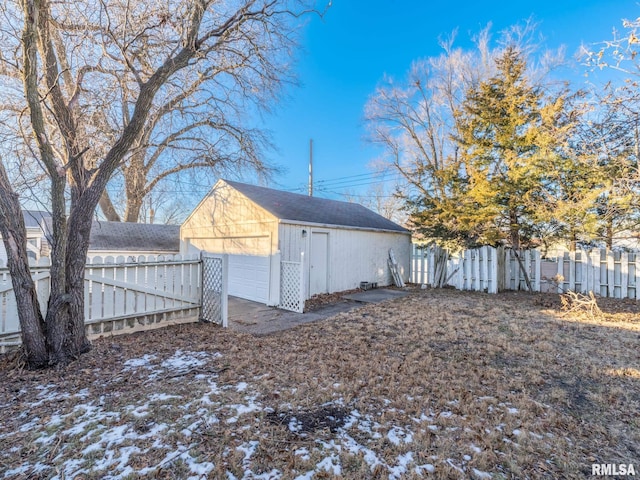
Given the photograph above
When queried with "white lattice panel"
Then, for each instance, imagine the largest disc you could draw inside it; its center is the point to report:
(212, 294)
(291, 287)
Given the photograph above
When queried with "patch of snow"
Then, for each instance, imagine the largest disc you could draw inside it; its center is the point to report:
(513, 411)
(295, 425)
(303, 453)
(486, 399)
(47, 396)
(201, 470)
(248, 449)
(402, 467)
(18, 471)
(355, 448)
(426, 468)
(480, 475)
(398, 436)
(476, 448)
(331, 465)
(30, 425)
(252, 406)
(84, 393)
(134, 363)
(466, 458)
(305, 476)
(161, 397)
(423, 418)
(185, 360)
(138, 411)
(272, 475)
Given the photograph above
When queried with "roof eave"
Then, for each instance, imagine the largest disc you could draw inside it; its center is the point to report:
(344, 227)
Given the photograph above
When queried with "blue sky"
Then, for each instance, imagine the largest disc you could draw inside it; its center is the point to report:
(346, 55)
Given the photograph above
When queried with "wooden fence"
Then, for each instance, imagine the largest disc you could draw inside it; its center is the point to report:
(606, 273)
(119, 295)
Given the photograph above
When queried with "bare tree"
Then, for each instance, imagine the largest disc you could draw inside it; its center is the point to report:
(418, 123)
(614, 130)
(414, 121)
(94, 76)
(201, 125)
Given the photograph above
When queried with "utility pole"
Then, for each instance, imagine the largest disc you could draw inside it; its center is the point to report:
(311, 167)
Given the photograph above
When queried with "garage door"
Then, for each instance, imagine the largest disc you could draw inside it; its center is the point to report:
(249, 277)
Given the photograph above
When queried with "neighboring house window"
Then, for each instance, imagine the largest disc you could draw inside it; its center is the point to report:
(33, 250)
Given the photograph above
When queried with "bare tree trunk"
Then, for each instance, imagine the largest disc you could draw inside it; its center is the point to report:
(514, 231)
(573, 244)
(79, 230)
(135, 179)
(14, 236)
(134, 205)
(109, 211)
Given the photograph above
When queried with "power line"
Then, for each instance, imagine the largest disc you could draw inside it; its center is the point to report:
(354, 179)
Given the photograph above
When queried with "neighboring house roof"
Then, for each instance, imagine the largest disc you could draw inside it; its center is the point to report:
(130, 237)
(34, 218)
(134, 237)
(302, 208)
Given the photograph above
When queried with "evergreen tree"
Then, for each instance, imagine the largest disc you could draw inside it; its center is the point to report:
(509, 135)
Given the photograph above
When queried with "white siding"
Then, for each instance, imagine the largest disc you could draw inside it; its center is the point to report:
(228, 222)
(34, 236)
(354, 255)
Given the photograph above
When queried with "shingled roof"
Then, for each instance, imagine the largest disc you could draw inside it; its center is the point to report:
(129, 237)
(34, 218)
(126, 236)
(294, 207)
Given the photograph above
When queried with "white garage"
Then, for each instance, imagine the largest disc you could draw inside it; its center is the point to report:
(249, 277)
(337, 245)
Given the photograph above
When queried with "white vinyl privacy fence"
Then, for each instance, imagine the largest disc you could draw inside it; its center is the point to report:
(606, 273)
(119, 295)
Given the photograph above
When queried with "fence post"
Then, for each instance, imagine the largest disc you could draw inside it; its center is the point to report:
(303, 286)
(588, 275)
(485, 269)
(572, 271)
(467, 269)
(274, 278)
(428, 262)
(475, 269)
(611, 268)
(225, 291)
(514, 267)
(624, 274)
(527, 268)
(493, 287)
(637, 275)
(461, 271)
(561, 273)
(537, 269)
(597, 271)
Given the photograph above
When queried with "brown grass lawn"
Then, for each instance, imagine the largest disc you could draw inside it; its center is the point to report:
(441, 384)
